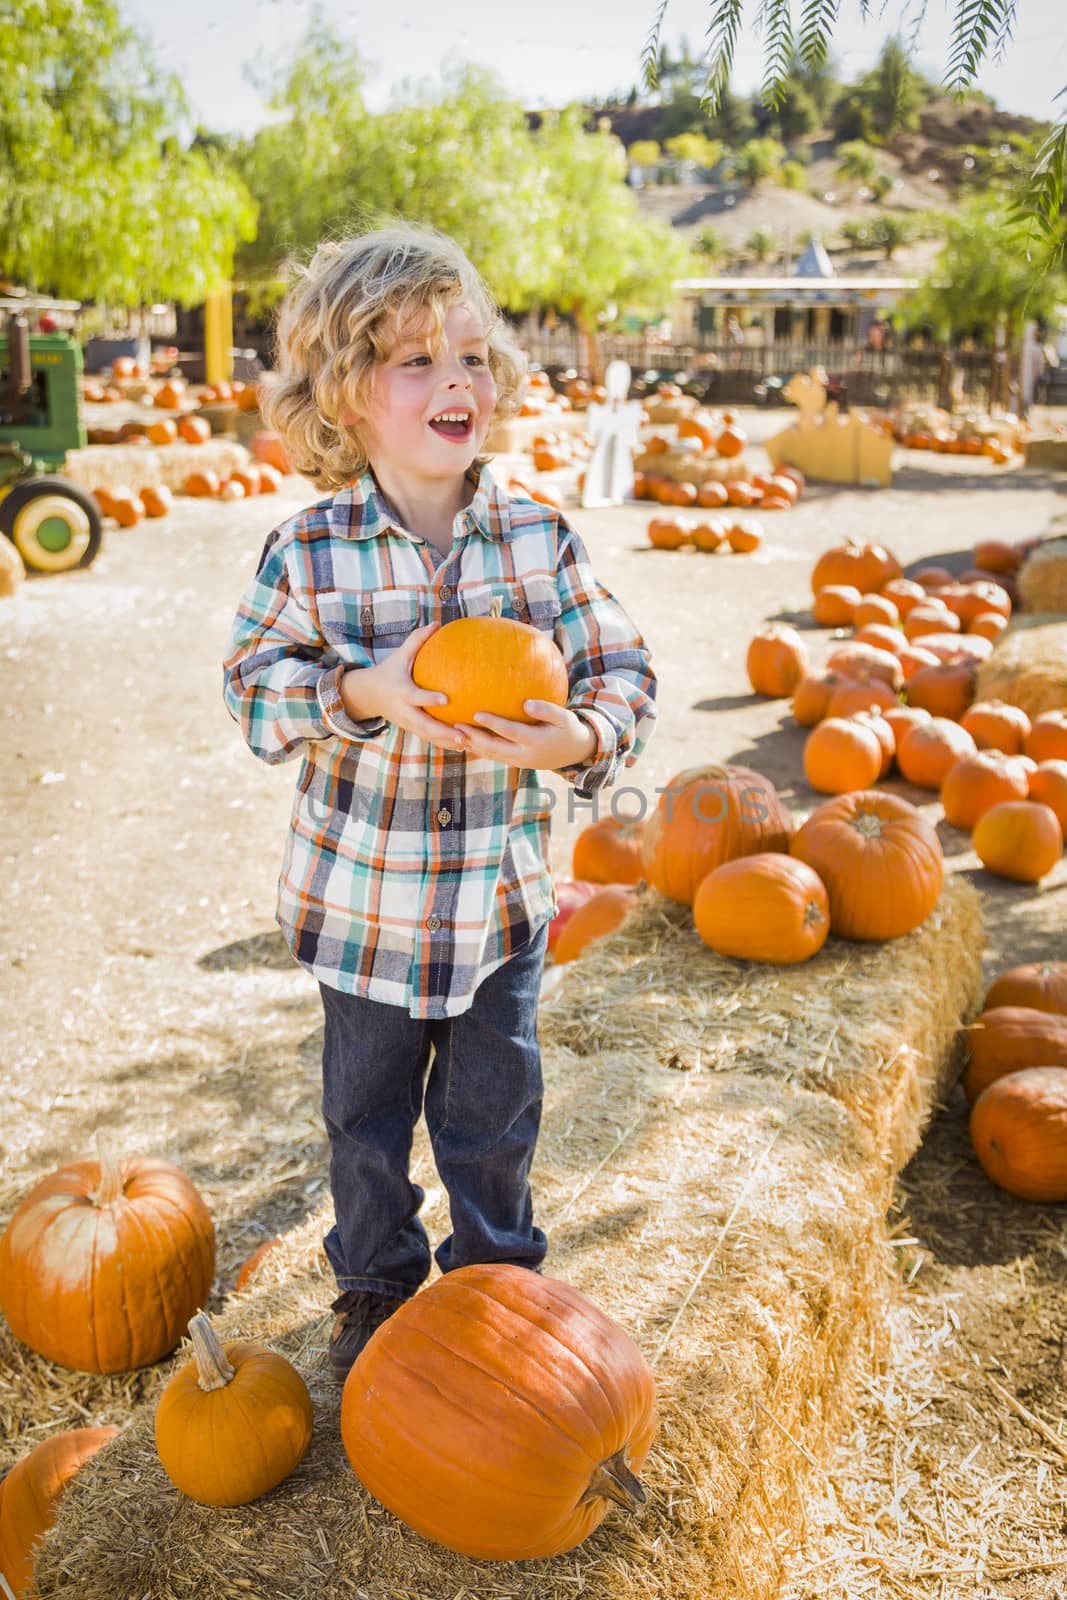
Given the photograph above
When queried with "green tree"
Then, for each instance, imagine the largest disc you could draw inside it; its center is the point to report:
(893, 90)
(889, 233)
(979, 282)
(99, 197)
(710, 245)
(645, 153)
(793, 176)
(855, 161)
(762, 244)
(757, 161)
(695, 147)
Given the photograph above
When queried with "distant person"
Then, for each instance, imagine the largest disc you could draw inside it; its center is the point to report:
(415, 884)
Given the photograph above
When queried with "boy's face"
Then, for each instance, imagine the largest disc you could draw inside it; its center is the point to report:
(399, 422)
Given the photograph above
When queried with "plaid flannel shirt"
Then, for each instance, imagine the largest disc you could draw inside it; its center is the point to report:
(411, 872)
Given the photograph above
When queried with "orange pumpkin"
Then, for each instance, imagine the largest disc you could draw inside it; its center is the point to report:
(1019, 839)
(975, 783)
(1019, 1133)
(901, 718)
(171, 396)
(933, 577)
(103, 1264)
(251, 1264)
(766, 907)
(529, 1398)
(866, 660)
(204, 484)
(745, 537)
(995, 725)
(248, 477)
(163, 432)
(156, 499)
(955, 647)
(928, 618)
(842, 755)
(609, 851)
(1047, 739)
(912, 657)
(835, 605)
(569, 896)
(995, 556)
(30, 1493)
(812, 697)
(905, 594)
(874, 608)
(777, 659)
(127, 509)
(988, 625)
(742, 495)
(600, 915)
(929, 751)
(194, 430)
(731, 441)
(708, 815)
(861, 694)
(712, 496)
(874, 718)
(945, 690)
(1041, 985)
(490, 664)
(1048, 785)
(670, 533)
(774, 502)
(866, 567)
(700, 426)
(880, 860)
(1010, 1039)
(270, 447)
(882, 636)
(708, 536)
(232, 1423)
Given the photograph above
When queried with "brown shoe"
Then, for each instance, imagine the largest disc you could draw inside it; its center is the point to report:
(359, 1315)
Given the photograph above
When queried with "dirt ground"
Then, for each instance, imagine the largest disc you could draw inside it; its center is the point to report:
(149, 998)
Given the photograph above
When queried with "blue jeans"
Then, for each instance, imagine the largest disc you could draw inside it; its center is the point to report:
(483, 1110)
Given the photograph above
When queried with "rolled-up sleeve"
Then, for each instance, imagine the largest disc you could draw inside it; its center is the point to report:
(281, 679)
(612, 685)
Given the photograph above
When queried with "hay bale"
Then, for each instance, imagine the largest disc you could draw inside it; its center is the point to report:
(1043, 578)
(1028, 666)
(106, 466)
(519, 433)
(717, 1157)
(1048, 451)
(12, 570)
(671, 409)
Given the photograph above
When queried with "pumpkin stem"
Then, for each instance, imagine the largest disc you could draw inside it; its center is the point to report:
(496, 606)
(111, 1184)
(869, 824)
(613, 1480)
(214, 1369)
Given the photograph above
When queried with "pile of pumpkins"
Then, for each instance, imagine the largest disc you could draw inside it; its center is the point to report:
(1016, 1082)
(902, 690)
(541, 398)
(721, 528)
(129, 506)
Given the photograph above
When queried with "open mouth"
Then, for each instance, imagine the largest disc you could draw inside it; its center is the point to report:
(457, 425)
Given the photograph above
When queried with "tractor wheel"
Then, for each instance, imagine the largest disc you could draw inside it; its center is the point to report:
(54, 525)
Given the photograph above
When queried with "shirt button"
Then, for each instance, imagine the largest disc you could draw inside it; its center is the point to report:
(367, 614)
(519, 603)
(445, 591)
(444, 816)
(433, 923)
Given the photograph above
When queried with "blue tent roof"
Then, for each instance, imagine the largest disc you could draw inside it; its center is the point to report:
(814, 263)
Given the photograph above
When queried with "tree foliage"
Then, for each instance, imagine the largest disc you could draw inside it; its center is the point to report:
(99, 198)
(979, 282)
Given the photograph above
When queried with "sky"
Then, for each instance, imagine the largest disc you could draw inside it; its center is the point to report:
(550, 52)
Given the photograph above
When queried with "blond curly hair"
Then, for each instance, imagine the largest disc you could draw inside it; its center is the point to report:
(337, 323)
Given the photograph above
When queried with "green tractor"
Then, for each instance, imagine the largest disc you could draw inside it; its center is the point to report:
(54, 524)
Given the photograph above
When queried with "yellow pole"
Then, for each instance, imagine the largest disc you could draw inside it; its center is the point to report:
(218, 335)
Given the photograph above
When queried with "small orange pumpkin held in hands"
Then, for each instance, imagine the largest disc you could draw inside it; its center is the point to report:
(104, 1262)
(529, 1398)
(233, 1422)
(708, 815)
(29, 1495)
(777, 659)
(1019, 839)
(609, 851)
(490, 664)
(600, 915)
(766, 907)
(1019, 1133)
(880, 860)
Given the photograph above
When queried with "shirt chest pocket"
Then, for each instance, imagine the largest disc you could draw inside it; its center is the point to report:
(533, 600)
(366, 624)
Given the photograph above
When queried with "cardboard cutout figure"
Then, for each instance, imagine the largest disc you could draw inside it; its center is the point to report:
(825, 445)
(609, 477)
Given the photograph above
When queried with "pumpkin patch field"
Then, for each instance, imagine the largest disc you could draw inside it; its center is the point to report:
(800, 1332)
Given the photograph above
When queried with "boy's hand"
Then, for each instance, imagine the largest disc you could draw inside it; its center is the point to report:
(388, 690)
(557, 739)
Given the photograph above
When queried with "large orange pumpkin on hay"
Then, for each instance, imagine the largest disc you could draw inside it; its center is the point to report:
(103, 1264)
(490, 664)
(1010, 1038)
(233, 1422)
(1019, 1133)
(29, 1496)
(880, 860)
(1041, 985)
(766, 907)
(500, 1413)
(708, 815)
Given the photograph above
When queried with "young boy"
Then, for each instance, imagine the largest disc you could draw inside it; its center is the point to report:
(415, 883)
